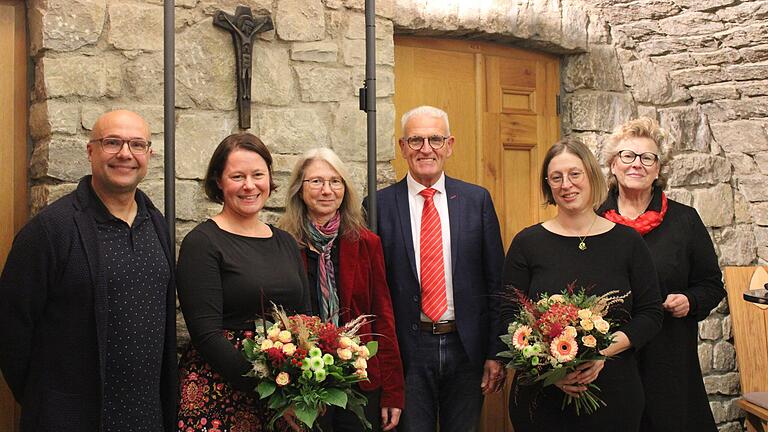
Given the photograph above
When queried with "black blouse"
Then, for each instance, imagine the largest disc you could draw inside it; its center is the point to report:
(224, 279)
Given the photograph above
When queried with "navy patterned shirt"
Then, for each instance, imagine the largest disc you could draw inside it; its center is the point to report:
(137, 274)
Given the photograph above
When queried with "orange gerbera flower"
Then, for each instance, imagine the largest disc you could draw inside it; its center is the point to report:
(564, 348)
(520, 337)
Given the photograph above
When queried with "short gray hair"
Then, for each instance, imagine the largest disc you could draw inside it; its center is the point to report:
(426, 110)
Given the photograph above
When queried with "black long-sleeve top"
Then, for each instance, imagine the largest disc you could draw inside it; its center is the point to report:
(540, 261)
(224, 278)
(685, 259)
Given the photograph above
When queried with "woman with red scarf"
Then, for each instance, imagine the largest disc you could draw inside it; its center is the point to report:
(345, 268)
(689, 276)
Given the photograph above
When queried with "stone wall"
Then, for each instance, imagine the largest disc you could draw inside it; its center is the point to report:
(700, 67)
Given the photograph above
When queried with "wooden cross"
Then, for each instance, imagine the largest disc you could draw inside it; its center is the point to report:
(243, 27)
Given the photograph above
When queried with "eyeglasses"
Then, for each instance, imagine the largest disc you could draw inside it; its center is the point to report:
(417, 142)
(115, 145)
(647, 158)
(556, 179)
(317, 183)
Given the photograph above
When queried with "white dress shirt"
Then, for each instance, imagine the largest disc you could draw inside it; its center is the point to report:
(416, 206)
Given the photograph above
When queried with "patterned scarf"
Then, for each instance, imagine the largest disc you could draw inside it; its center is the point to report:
(644, 223)
(322, 239)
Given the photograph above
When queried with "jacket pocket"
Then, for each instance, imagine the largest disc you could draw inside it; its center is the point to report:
(65, 412)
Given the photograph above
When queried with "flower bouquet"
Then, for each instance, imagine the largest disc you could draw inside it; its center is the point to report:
(305, 364)
(548, 339)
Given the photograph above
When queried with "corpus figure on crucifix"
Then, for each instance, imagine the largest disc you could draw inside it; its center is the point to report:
(243, 27)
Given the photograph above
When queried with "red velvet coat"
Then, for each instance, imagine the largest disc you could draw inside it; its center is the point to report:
(362, 289)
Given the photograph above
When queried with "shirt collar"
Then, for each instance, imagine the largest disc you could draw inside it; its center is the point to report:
(102, 214)
(415, 187)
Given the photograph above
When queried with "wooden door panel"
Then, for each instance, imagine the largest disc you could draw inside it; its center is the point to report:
(445, 80)
(13, 152)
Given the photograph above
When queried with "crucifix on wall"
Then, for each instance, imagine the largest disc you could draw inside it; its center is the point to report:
(243, 27)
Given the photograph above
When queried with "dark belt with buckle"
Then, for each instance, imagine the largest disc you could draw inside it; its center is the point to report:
(438, 328)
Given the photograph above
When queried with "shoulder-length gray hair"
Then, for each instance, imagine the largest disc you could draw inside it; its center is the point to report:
(296, 213)
(643, 127)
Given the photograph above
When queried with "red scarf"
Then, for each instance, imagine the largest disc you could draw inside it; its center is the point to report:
(644, 223)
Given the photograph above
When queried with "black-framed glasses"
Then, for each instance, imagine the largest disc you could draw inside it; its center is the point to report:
(113, 145)
(317, 183)
(555, 180)
(417, 142)
(647, 158)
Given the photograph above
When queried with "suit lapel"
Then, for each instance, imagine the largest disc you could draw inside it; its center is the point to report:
(454, 217)
(404, 213)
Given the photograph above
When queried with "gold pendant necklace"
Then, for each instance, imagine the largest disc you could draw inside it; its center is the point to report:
(582, 245)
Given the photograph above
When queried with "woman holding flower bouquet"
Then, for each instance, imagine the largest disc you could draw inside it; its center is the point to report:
(689, 275)
(345, 267)
(579, 247)
(231, 267)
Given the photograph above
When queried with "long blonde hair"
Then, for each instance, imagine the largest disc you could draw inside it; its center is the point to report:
(296, 213)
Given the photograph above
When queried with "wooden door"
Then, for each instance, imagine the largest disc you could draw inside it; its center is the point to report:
(502, 107)
(13, 152)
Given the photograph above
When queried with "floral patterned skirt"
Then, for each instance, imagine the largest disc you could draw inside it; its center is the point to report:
(210, 404)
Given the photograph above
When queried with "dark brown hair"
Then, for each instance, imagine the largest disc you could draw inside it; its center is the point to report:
(244, 141)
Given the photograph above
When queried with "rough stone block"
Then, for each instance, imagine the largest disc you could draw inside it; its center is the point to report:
(385, 81)
(745, 136)
(272, 82)
(754, 88)
(724, 356)
(61, 25)
(61, 157)
(322, 84)
(319, 52)
(135, 26)
(737, 245)
(699, 76)
(691, 23)
(293, 130)
(745, 35)
(43, 194)
(744, 108)
(348, 135)
(144, 78)
(754, 53)
(682, 196)
(727, 328)
(746, 72)
(197, 135)
(742, 163)
(753, 187)
(706, 93)
(761, 159)
(599, 111)
(598, 69)
(741, 208)
(300, 20)
(759, 213)
(651, 84)
(72, 76)
(356, 27)
(53, 116)
(353, 52)
(698, 168)
(575, 22)
(724, 56)
(705, 357)
(715, 205)
(205, 68)
(711, 328)
(726, 384)
(672, 62)
(686, 127)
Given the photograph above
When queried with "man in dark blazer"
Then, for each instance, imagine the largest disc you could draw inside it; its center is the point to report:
(87, 299)
(445, 279)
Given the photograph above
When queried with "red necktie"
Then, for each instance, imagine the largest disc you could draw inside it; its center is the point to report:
(433, 301)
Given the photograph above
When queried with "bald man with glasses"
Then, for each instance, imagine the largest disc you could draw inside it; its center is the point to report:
(87, 299)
